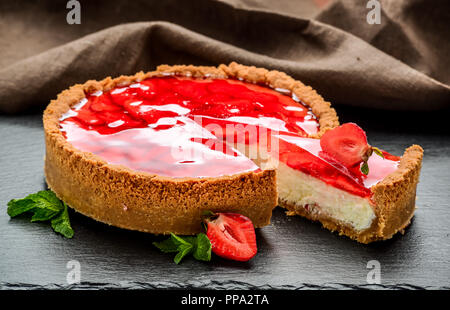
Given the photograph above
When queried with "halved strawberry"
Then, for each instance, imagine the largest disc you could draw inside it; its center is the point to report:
(232, 236)
(347, 144)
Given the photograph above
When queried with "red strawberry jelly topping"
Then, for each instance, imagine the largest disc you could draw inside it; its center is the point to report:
(177, 127)
(306, 155)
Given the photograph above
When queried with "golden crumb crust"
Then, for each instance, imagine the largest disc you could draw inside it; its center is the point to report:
(129, 199)
(394, 200)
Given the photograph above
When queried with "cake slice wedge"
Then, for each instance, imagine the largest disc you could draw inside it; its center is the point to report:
(364, 208)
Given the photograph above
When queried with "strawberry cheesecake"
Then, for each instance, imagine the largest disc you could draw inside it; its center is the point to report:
(152, 152)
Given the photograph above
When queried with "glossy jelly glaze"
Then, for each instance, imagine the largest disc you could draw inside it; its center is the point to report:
(184, 127)
(306, 155)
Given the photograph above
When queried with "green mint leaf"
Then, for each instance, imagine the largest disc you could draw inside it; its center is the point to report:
(202, 250)
(365, 168)
(46, 200)
(19, 206)
(45, 195)
(179, 241)
(199, 246)
(45, 206)
(378, 151)
(185, 245)
(61, 223)
(166, 246)
(184, 250)
(43, 214)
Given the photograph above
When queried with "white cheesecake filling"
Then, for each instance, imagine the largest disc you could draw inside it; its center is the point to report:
(298, 188)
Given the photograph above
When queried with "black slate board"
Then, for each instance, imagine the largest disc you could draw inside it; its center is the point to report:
(293, 252)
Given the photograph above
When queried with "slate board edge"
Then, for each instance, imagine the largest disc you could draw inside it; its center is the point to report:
(216, 285)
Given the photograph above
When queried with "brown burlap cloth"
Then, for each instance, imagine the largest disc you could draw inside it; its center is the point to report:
(403, 63)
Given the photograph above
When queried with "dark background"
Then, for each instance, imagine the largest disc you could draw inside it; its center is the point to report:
(293, 252)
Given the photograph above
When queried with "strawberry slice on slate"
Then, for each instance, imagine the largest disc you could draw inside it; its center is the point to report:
(232, 236)
(347, 144)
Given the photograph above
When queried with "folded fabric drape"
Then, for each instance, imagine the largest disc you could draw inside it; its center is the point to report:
(401, 64)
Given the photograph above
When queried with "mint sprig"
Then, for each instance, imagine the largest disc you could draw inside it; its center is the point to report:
(44, 206)
(61, 223)
(199, 246)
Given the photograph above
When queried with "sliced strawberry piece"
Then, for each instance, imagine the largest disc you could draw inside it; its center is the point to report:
(110, 117)
(214, 98)
(144, 94)
(232, 236)
(89, 118)
(148, 114)
(152, 117)
(347, 144)
(223, 87)
(122, 95)
(169, 98)
(238, 105)
(163, 86)
(135, 108)
(152, 85)
(120, 121)
(262, 98)
(189, 89)
(103, 103)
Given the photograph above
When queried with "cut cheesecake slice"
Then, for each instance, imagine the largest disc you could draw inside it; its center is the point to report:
(152, 152)
(363, 207)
